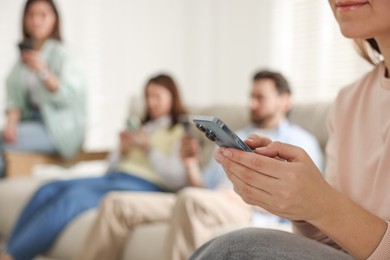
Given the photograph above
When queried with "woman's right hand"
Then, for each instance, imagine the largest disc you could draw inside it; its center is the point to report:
(189, 153)
(33, 60)
(10, 134)
(130, 139)
(189, 148)
(124, 140)
(278, 177)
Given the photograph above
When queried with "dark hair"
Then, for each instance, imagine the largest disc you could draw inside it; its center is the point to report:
(177, 109)
(369, 50)
(280, 81)
(55, 34)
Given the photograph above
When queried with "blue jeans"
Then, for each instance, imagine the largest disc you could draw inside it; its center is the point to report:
(32, 137)
(57, 203)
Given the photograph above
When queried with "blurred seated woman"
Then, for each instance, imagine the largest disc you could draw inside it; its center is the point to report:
(45, 110)
(150, 161)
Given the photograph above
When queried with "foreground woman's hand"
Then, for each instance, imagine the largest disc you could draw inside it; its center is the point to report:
(290, 186)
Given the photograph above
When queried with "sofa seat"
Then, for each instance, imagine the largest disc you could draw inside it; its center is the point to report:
(69, 242)
(15, 192)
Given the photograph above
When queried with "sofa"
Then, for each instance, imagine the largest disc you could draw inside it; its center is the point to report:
(15, 192)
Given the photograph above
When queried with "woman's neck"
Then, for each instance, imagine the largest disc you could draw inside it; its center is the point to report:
(38, 44)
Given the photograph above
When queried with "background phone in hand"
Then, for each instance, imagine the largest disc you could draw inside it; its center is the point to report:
(133, 123)
(26, 44)
(185, 121)
(218, 132)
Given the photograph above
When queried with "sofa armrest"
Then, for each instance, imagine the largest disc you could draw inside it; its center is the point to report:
(21, 163)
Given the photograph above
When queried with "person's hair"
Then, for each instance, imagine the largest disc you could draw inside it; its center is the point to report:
(177, 108)
(369, 50)
(280, 81)
(55, 34)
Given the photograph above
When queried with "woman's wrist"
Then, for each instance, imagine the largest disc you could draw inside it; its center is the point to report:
(191, 162)
(49, 79)
(146, 147)
(193, 172)
(327, 208)
(43, 74)
(13, 116)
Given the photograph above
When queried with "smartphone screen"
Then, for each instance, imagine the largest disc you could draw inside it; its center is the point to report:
(217, 131)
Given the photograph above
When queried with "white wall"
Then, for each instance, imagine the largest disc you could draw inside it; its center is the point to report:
(212, 47)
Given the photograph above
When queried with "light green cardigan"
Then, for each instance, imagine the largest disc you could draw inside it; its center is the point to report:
(63, 112)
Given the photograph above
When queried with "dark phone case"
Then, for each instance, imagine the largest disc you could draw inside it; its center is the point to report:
(27, 44)
(219, 132)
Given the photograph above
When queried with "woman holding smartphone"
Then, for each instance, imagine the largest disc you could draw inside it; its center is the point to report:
(45, 90)
(346, 215)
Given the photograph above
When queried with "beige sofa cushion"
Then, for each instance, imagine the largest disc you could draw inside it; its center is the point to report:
(313, 117)
(15, 193)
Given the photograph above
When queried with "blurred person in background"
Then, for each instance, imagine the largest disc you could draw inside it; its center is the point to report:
(45, 95)
(194, 212)
(150, 161)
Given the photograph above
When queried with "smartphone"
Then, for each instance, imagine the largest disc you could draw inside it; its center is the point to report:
(185, 121)
(26, 44)
(218, 132)
(133, 123)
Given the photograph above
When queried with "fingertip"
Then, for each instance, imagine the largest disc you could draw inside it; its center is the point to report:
(253, 136)
(218, 155)
(250, 140)
(227, 153)
(261, 150)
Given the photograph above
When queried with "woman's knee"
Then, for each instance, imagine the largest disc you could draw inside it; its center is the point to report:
(256, 243)
(190, 195)
(112, 202)
(227, 246)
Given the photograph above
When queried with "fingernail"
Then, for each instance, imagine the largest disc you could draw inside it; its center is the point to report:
(219, 157)
(260, 149)
(227, 153)
(249, 140)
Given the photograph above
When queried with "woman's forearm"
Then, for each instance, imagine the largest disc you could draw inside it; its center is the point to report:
(194, 173)
(11, 127)
(13, 117)
(50, 80)
(353, 228)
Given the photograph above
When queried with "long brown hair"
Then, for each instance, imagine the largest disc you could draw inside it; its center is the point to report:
(177, 108)
(369, 50)
(55, 34)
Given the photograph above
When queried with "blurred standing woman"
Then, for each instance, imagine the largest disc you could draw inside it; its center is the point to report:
(45, 90)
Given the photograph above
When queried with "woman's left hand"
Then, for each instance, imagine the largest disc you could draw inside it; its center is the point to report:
(33, 60)
(290, 186)
(139, 139)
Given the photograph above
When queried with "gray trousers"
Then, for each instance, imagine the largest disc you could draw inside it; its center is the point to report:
(257, 243)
